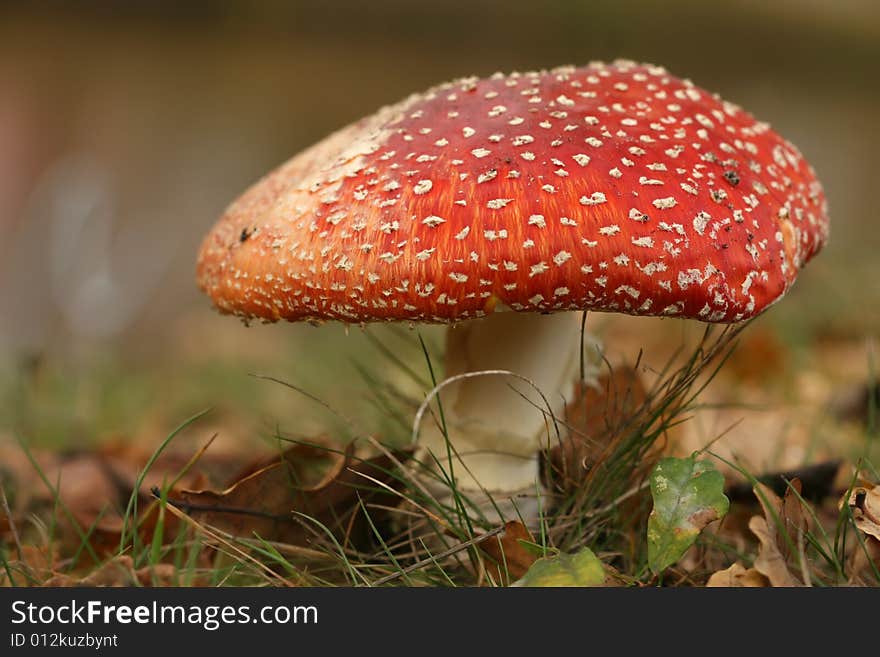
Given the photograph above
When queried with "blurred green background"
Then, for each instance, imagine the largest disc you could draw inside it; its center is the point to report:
(126, 127)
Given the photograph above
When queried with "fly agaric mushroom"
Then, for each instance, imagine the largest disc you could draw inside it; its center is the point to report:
(616, 188)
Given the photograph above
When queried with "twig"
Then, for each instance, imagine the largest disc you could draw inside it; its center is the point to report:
(188, 508)
(604, 509)
(620, 498)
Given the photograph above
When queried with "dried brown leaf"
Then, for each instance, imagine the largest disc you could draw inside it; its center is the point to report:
(35, 565)
(271, 497)
(118, 571)
(781, 532)
(770, 561)
(23, 485)
(594, 419)
(162, 574)
(759, 356)
(864, 558)
(508, 558)
(737, 576)
(863, 562)
(864, 503)
(787, 516)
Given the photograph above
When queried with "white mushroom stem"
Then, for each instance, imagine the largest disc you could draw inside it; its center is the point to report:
(497, 424)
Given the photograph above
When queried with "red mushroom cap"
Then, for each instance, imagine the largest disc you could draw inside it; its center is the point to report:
(609, 187)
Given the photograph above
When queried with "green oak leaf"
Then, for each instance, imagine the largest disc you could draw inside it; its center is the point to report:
(580, 569)
(688, 495)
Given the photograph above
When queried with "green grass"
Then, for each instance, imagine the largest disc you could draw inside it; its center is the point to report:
(432, 537)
